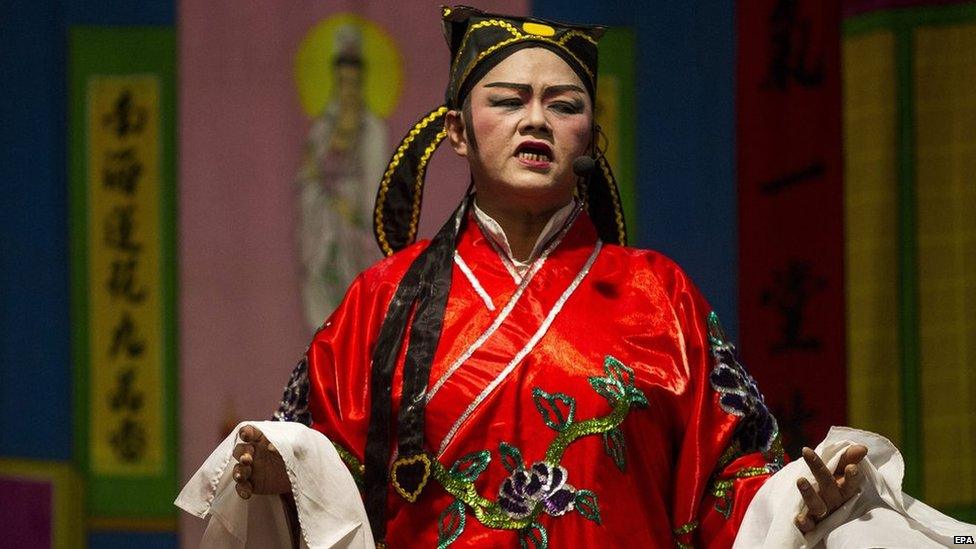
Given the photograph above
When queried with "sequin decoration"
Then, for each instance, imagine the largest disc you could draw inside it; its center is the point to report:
(409, 475)
(294, 401)
(556, 409)
(542, 484)
(615, 445)
(470, 467)
(684, 531)
(724, 489)
(450, 524)
(511, 457)
(534, 537)
(586, 505)
(541, 488)
(355, 466)
(757, 431)
(739, 395)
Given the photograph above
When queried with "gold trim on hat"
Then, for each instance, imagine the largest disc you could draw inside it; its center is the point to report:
(388, 176)
(516, 37)
(418, 186)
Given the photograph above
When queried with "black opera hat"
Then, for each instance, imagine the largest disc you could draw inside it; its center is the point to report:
(478, 41)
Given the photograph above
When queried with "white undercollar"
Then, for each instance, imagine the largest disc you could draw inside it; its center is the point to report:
(496, 233)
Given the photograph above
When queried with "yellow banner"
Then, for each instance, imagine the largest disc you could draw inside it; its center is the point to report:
(945, 115)
(124, 276)
(871, 233)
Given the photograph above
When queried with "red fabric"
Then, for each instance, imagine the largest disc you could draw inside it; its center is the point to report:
(635, 305)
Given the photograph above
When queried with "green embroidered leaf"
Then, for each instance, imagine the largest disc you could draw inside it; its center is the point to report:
(511, 457)
(724, 506)
(607, 387)
(716, 335)
(450, 524)
(637, 397)
(616, 447)
(534, 537)
(586, 505)
(552, 413)
(619, 371)
(468, 467)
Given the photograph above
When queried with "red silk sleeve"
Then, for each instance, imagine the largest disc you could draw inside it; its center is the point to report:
(730, 443)
(337, 372)
(339, 360)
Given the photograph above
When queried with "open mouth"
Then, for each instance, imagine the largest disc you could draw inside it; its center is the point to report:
(534, 151)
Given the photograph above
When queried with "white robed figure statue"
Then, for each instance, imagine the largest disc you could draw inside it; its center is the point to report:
(346, 152)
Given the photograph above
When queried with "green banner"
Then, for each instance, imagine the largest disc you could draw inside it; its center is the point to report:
(122, 195)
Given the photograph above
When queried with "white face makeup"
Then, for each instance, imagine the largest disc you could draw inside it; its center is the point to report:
(532, 117)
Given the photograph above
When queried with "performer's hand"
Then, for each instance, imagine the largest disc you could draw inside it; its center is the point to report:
(833, 489)
(259, 468)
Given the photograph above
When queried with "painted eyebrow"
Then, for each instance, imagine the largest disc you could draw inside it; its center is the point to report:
(548, 90)
(510, 85)
(559, 88)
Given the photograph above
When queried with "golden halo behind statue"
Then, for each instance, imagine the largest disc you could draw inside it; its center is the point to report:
(316, 55)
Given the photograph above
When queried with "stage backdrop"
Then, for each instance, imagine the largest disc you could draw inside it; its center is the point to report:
(270, 97)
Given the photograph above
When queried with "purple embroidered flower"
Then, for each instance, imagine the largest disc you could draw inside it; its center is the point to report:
(294, 402)
(740, 396)
(542, 483)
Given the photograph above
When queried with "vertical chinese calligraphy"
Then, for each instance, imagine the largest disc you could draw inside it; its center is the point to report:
(790, 43)
(791, 234)
(125, 420)
(788, 295)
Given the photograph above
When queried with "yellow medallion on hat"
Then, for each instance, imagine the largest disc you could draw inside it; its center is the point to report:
(538, 29)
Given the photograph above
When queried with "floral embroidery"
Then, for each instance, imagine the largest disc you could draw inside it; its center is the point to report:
(542, 484)
(552, 413)
(739, 395)
(294, 401)
(757, 431)
(450, 524)
(723, 489)
(528, 492)
(615, 445)
(534, 537)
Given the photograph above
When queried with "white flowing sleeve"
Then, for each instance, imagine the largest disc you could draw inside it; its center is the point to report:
(330, 509)
(881, 515)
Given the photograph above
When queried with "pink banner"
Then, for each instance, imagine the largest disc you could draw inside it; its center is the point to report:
(28, 503)
(262, 118)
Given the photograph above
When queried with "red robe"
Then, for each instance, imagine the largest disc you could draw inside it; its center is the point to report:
(614, 414)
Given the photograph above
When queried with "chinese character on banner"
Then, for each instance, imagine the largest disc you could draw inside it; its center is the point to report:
(126, 415)
(790, 204)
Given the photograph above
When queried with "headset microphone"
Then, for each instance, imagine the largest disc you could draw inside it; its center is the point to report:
(583, 165)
